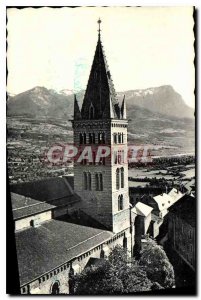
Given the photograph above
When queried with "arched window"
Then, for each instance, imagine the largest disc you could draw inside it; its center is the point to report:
(115, 157)
(81, 139)
(119, 138)
(122, 138)
(101, 138)
(89, 181)
(125, 243)
(85, 181)
(117, 179)
(85, 138)
(55, 288)
(97, 182)
(122, 177)
(120, 202)
(90, 138)
(101, 181)
(115, 138)
(119, 157)
(94, 138)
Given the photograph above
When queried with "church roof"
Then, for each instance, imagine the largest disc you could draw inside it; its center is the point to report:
(24, 206)
(55, 190)
(53, 243)
(100, 97)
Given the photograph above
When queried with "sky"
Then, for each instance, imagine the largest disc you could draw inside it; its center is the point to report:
(144, 46)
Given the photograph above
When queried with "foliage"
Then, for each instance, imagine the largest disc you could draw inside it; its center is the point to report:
(117, 275)
(155, 262)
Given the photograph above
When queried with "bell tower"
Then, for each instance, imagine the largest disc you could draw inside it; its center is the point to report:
(102, 122)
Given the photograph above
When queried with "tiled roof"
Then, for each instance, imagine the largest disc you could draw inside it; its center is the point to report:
(56, 190)
(53, 243)
(23, 206)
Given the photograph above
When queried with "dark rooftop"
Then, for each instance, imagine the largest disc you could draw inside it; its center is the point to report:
(55, 191)
(24, 206)
(185, 208)
(53, 243)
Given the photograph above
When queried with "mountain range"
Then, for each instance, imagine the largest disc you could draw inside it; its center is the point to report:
(157, 116)
(41, 101)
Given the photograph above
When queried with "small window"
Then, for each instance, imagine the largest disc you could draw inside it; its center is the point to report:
(97, 182)
(84, 138)
(101, 181)
(117, 179)
(120, 202)
(122, 177)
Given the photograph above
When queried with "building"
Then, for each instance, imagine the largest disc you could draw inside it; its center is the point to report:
(181, 229)
(65, 224)
(102, 121)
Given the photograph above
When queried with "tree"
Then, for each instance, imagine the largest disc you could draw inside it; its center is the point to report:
(155, 262)
(116, 275)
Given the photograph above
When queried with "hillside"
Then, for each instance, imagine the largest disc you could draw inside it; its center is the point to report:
(40, 101)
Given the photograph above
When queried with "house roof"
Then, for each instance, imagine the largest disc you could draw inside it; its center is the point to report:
(142, 209)
(24, 206)
(185, 209)
(52, 244)
(164, 200)
(175, 195)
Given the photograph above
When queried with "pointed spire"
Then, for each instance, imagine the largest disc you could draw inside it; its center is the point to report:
(100, 88)
(123, 108)
(77, 114)
(99, 30)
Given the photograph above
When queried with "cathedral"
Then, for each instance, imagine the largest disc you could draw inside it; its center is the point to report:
(64, 224)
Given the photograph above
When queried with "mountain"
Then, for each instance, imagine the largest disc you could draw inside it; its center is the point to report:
(164, 100)
(42, 102)
(157, 116)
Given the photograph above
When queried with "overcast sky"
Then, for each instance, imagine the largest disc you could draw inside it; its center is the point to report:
(145, 47)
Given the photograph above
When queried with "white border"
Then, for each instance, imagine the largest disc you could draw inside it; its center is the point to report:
(15, 3)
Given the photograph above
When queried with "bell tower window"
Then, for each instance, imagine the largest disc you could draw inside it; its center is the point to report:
(122, 177)
(99, 181)
(117, 179)
(120, 202)
(87, 181)
(81, 139)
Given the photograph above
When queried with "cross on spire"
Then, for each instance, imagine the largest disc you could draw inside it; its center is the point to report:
(99, 30)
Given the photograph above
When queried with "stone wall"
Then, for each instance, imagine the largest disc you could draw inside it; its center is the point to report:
(38, 218)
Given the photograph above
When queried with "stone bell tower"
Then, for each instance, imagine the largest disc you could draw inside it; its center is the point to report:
(103, 185)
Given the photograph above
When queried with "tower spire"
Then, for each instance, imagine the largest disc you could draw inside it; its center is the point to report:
(77, 114)
(100, 88)
(99, 30)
